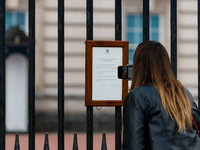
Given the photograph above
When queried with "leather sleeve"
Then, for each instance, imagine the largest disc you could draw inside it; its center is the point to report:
(195, 114)
(134, 122)
(195, 110)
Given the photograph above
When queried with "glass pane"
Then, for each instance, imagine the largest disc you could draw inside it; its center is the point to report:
(141, 21)
(9, 19)
(154, 36)
(154, 22)
(137, 38)
(135, 31)
(130, 37)
(137, 22)
(141, 37)
(131, 52)
(130, 19)
(20, 19)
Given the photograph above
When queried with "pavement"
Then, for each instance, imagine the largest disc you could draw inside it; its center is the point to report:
(53, 141)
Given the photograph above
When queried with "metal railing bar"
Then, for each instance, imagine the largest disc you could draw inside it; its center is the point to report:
(46, 142)
(118, 22)
(198, 54)
(118, 18)
(89, 115)
(61, 74)
(145, 20)
(174, 36)
(104, 145)
(17, 147)
(2, 74)
(118, 127)
(75, 143)
(89, 15)
(31, 74)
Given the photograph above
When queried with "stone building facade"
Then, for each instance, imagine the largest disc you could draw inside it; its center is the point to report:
(104, 29)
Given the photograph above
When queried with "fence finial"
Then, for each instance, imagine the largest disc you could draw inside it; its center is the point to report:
(17, 142)
(46, 142)
(75, 145)
(104, 147)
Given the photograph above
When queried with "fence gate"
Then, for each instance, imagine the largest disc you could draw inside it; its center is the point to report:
(89, 111)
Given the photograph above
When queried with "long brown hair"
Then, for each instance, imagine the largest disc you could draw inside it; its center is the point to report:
(151, 63)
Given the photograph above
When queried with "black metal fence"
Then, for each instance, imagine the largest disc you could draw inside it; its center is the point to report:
(89, 12)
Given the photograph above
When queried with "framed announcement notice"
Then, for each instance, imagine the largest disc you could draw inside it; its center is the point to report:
(102, 86)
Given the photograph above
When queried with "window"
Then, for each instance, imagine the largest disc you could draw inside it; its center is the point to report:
(135, 31)
(18, 19)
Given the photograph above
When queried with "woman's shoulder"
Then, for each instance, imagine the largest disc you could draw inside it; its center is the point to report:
(144, 90)
(137, 98)
(145, 98)
(147, 93)
(190, 97)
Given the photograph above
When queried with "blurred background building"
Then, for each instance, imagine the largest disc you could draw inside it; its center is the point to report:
(104, 29)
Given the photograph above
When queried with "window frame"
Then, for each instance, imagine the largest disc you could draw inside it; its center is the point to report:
(132, 45)
(14, 20)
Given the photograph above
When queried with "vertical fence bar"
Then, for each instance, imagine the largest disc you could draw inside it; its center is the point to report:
(2, 74)
(145, 20)
(31, 74)
(118, 18)
(118, 127)
(89, 15)
(89, 128)
(118, 108)
(174, 36)
(199, 54)
(89, 117)
(61, 9)
(17, 147)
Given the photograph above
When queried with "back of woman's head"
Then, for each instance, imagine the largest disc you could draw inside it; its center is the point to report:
(151, 64)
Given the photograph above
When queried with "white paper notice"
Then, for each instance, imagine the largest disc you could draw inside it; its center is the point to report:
(105, 82)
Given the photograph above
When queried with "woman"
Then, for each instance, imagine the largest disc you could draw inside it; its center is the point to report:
(158, 111)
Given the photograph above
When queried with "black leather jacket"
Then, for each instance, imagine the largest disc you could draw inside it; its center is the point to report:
(148, 127)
